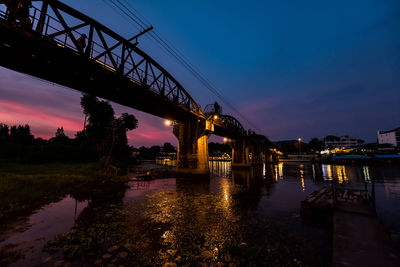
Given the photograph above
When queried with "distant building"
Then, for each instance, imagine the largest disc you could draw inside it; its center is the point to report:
(343, 141)
(389, 137)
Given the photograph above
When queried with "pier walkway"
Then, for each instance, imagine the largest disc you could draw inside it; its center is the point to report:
(359, 238)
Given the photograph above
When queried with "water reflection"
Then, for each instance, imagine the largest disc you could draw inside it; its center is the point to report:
(381, 181)
(220, 168)
(252, 182)
(73, 210)
(280, 170)
(203, 217)
(367, 178)
(51, 220)
(302, 177)
(341, 174)
(327, 172)
(200, 218)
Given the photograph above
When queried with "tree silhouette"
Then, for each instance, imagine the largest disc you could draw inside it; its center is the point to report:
(104, 131)
(4, 131)
(60, 137)
(168, 148)
(316, 145)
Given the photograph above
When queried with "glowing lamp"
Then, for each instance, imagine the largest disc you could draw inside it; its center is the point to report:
(168, 122)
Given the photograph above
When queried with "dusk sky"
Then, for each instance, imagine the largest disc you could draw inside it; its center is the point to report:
(294, 68)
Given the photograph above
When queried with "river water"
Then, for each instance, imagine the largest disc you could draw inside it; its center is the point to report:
(209, 217)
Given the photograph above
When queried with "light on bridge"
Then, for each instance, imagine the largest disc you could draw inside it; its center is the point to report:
(168, 122)
(226, 139)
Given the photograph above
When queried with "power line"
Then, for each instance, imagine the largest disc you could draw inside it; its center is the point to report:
(175, 53)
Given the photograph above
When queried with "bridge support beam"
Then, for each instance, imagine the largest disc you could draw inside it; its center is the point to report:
(192, 147)
(257, 155)
(240, 154)
(271, 157)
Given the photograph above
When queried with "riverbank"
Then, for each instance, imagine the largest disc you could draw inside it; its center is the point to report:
(29, 192)
(25, 188)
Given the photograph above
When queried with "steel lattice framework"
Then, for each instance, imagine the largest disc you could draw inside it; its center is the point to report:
(231, 123)
(110, 66)
(63, 25)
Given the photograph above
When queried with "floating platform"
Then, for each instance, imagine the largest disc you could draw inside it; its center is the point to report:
(359, 238)
(319, 207)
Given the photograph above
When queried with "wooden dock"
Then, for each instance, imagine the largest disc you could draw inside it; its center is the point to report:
(359, 238)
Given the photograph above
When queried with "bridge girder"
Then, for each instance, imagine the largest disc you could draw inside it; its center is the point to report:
(111, 66)
(107, 54)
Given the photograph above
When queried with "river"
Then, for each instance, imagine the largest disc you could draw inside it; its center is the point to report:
(209, 218)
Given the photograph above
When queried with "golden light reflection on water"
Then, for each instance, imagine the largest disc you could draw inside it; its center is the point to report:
(225, 185)
(337, 172)
(276, 173)
(329, 172)
(203, 216)
(303, 187)
(341, 174)
(191, 217)
(280, 170)
(220, 168)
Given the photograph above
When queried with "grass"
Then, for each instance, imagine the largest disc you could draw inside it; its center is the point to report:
(25, 188)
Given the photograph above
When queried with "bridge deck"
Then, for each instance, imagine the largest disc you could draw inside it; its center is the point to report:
(27, 53)
(108, 66)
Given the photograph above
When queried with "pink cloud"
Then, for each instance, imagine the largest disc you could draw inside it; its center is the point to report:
(45, 106)
(42, 124)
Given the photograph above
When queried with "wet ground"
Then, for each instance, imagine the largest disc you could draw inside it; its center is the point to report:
(243, 217)
(28, 237)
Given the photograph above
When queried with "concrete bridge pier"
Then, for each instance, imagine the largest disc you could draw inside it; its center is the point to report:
(269, 158)
(257, 155)
(192, 154)
(240, 154)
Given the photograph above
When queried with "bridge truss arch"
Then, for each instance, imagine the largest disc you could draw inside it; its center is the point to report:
(232, 124)
(60, 25)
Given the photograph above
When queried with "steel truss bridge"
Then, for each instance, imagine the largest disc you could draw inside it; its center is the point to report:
(110, 66)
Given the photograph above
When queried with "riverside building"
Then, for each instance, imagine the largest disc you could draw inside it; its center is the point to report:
(342, 142)
(389, 137)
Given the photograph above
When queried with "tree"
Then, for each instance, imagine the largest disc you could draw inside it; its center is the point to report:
(21, 134)
(4, 131)
(316, 145)
(60, 133)
(119, 139)
(168, 148)
(217, 148)
(60, 137)
(104, 131)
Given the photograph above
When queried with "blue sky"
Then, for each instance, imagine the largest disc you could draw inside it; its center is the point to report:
(294, 68)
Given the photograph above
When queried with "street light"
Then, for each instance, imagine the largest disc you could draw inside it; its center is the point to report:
(225, 139)
(299, 139)
(168, 122)
(215, 117)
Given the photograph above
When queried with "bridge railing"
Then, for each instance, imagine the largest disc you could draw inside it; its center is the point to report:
(62, 25)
